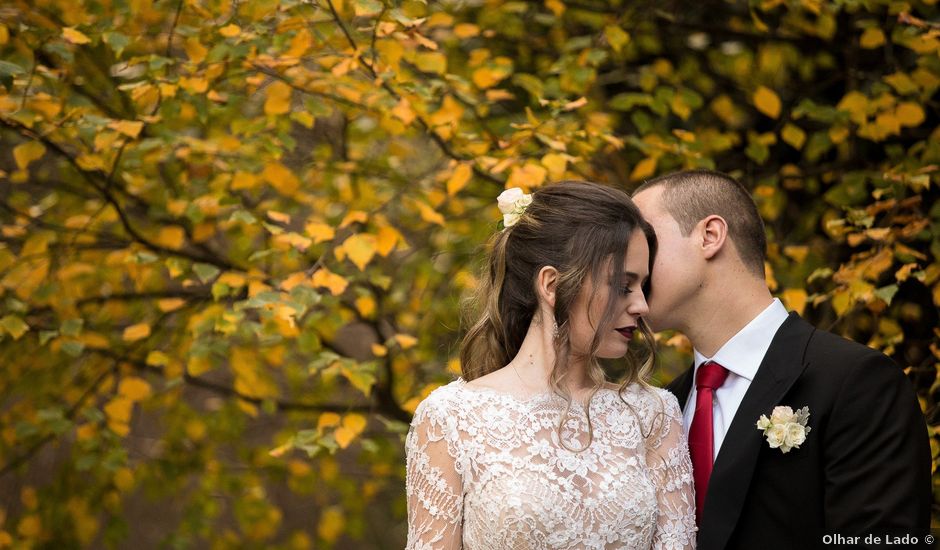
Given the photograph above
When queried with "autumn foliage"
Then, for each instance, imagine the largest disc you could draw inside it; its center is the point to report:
(235, 235)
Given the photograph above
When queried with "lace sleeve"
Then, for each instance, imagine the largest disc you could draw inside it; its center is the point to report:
(671, 469)
(432, 482)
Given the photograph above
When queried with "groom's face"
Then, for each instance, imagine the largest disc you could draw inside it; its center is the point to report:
(676, 276)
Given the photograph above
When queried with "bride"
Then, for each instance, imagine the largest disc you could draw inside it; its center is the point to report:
(533, 447)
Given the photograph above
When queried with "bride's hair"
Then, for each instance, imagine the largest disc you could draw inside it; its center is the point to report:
(575, 227)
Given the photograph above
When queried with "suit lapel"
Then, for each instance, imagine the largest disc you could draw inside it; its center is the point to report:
(734, 466)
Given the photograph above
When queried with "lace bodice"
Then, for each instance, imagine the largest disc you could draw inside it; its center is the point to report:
(486, 470)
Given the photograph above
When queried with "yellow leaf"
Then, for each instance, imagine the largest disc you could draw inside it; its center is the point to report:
(644, 169)
(872, 38)
(354, 216)
(30, 527)
(556, 164)
(119, 409)
(293, 280)
(293, 239)
(74, 36)
(124, 479)
(230, 31)
(616, 37)
(281, 178)
(280, 217)
(319, 232)
(431, 62)
(232, 280)
(794, 299)
(459, 178)
(406, 341)
(328, 420)
(134, 388)
(195, 85)
(793, 135)
(332, 524)
(428, 214)
(136, 332)
(797, 253)
(157, 359)
(244, 180)
(679, 106)
(130, 128)
(838, 134)
(365, 305)
(198, 365)
(403, 111)
(379, 350)
(910, 114)
(300, 44)
(488, 76)
(325, 278)
(171, 237)
(278, 99)
(360, 248)
(527, 177)
(450, 112)
(466, 30)
(856, 104)
(195, 50)
(353, 424)
(105, 140)
(25, 153)
(170, 304)
(841, 301)
(767, 101)
(386, 240)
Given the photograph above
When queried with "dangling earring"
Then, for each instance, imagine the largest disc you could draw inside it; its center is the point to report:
(554, 329)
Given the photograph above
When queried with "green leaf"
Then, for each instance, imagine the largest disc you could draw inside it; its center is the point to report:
(886, 293)
(73, 348)
(117, 41)
(205, 272)
(14, 325)
(72, 327)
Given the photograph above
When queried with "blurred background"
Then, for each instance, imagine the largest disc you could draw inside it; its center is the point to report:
(234, 237)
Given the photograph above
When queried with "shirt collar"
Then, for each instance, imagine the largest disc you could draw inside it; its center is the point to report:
(743, 353)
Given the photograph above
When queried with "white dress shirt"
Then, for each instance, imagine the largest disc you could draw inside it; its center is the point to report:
(741, 355)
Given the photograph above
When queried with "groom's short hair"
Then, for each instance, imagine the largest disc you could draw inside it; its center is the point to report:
(693, 195)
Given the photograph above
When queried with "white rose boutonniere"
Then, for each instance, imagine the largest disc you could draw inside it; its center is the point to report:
(785, 429)
(512, 203)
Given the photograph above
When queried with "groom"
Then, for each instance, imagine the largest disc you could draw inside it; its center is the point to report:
(863, 465)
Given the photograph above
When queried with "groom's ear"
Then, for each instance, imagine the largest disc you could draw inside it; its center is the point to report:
(546, 282)
(714, 234)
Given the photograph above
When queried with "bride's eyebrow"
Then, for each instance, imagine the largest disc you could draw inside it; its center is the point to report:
(629, 276)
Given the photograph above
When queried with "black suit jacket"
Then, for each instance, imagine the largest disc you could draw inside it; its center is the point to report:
(864, 467)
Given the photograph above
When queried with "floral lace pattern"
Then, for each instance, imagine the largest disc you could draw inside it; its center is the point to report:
(487, 470)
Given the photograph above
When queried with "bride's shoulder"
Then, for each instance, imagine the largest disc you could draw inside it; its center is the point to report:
(442, 401)
(650, 399)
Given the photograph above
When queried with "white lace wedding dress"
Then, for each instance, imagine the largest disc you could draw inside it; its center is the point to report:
(486, 472)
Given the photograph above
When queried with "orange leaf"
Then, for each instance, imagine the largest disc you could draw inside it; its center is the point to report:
(278, 99)
(73, 36)
(136, 332)
(767, 101)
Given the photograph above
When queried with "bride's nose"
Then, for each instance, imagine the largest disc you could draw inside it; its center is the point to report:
(638, 305)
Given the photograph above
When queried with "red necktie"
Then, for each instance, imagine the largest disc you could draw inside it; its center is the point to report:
(710, 376)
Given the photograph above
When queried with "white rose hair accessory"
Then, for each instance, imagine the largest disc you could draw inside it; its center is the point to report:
(785, 429)
(512, 203)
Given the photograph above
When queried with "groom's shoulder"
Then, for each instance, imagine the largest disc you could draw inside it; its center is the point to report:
(841, 353)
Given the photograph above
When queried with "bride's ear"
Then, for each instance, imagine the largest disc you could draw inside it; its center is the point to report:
(714, 234)
(545, 284)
